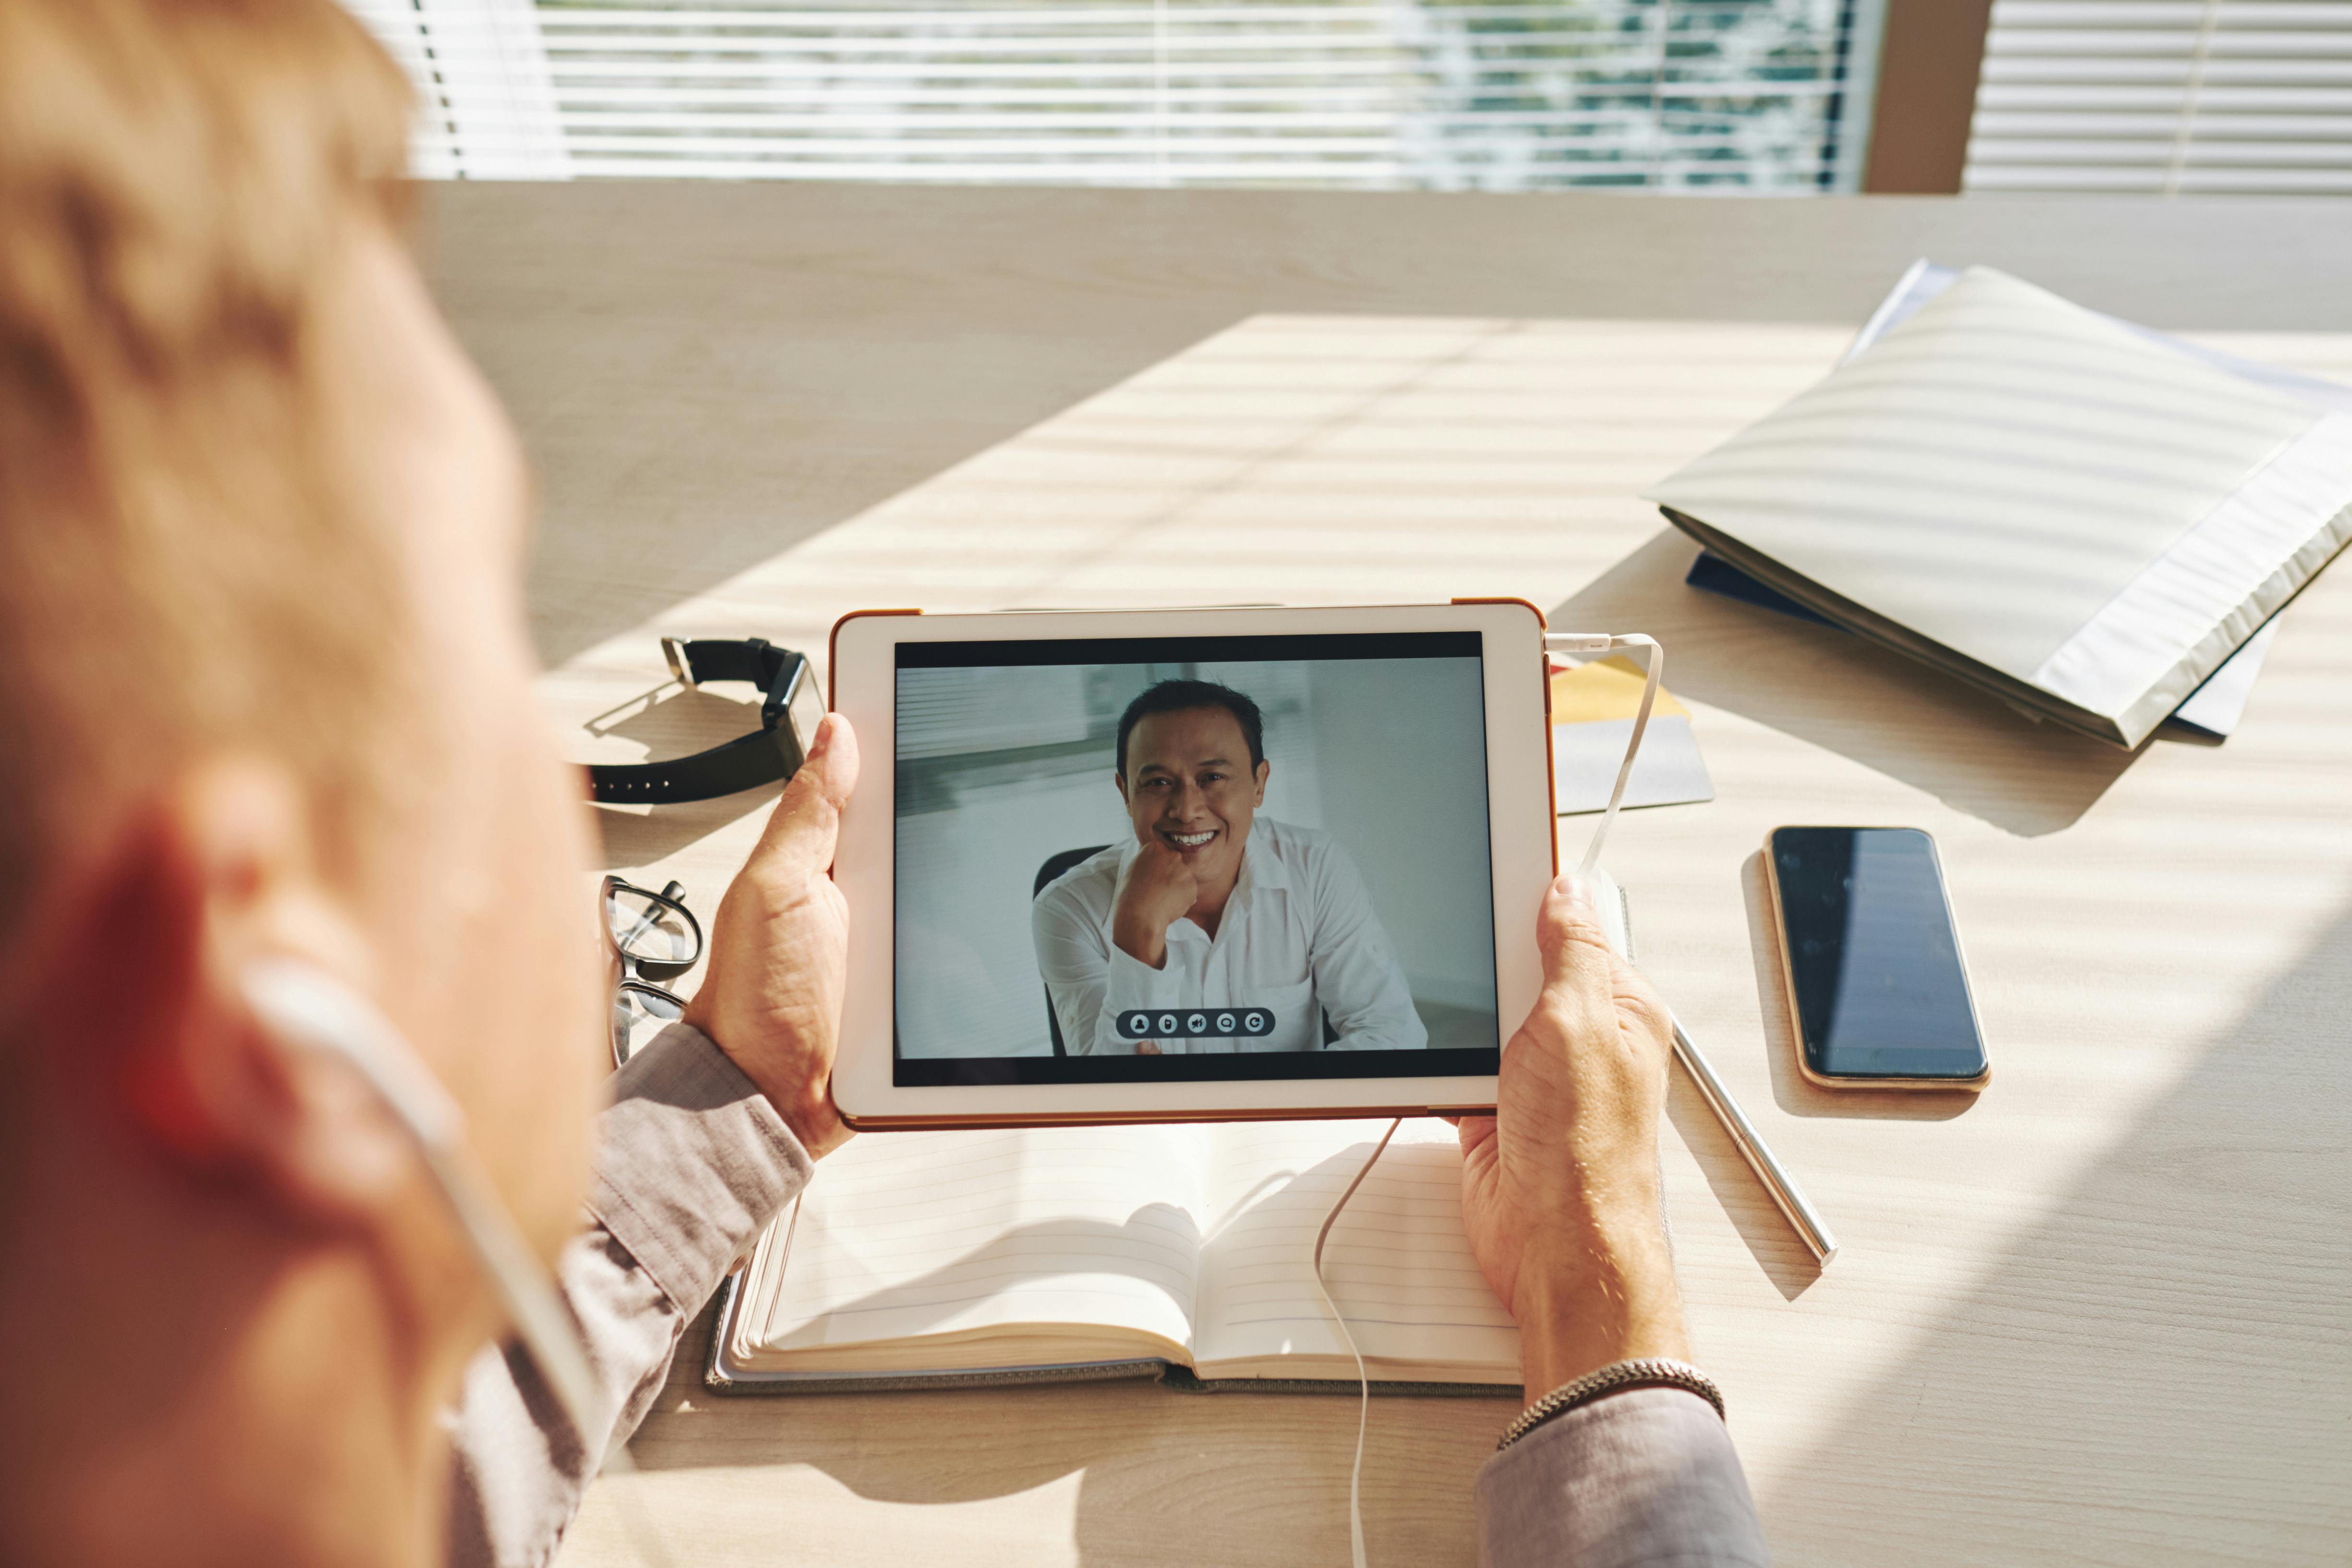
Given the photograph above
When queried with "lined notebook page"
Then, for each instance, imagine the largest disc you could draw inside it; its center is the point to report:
(1398, 1262)
(905, 1234)
(1994, 470)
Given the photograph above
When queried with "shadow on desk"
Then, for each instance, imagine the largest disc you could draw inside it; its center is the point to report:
(1770, 1240)
(1848, 696)
(1767, 1233)
(642, 837)
(1791, 1090)
(2159, 1370)
(1160, 1475)
(672, 721)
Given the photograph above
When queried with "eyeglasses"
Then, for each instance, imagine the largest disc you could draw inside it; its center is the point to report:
(649, 934)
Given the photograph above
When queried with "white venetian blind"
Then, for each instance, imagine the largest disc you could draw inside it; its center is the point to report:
(2165, 96)
(486, 98)
(1758, 95)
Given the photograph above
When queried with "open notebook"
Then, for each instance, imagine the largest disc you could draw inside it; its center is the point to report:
(2074, 513)
(929, 1259)
(1045, 1253)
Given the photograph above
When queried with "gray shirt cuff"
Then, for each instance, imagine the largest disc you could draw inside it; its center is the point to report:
(694, 1162)
(1645, 1478)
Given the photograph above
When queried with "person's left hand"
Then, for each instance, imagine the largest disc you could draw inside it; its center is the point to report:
(780, 949)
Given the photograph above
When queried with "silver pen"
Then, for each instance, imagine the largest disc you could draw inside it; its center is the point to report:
(1792, 1203)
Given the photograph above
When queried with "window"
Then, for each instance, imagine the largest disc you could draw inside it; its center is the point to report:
(1726, 95)
(2164, 96)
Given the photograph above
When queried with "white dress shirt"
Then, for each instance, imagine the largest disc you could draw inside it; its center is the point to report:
(1298, 939)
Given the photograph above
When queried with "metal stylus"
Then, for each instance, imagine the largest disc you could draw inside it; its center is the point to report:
(1792, 1202)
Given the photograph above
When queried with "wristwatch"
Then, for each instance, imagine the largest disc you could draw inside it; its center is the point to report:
(788, 722)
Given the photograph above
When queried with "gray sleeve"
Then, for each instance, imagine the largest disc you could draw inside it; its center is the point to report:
(692, 1161)
(1646, 1478)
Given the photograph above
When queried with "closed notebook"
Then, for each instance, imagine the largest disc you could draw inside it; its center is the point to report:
(2058, 507)
(940, 1259)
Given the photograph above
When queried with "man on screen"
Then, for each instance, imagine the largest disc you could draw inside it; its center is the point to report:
(1244, 933)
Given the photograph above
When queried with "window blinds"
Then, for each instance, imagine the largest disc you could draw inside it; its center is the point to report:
(2164, 96)
(486, 97)
(1743, 95)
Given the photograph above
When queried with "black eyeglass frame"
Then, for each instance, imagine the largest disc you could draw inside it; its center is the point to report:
(631, 980)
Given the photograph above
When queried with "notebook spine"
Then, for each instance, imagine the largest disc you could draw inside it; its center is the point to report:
(1183, 1381)
(719, 1377)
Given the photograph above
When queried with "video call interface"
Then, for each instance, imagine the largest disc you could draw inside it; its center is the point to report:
(1187, 860)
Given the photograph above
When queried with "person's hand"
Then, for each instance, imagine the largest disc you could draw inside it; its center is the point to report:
(1154, 892)
(1560, 1187)
(780, 949)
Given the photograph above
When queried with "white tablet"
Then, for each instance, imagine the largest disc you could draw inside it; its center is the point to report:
(1189, 865)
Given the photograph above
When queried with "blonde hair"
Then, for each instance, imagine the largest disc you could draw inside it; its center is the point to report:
(181, 562)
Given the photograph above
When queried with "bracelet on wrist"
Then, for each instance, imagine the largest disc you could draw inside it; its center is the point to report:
(1614, 1378)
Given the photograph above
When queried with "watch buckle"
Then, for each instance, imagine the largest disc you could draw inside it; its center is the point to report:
(674, 651)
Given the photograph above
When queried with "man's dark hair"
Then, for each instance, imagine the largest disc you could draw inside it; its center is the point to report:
(1184, 696)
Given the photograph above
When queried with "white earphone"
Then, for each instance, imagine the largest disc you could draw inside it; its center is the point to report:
(304, 1005)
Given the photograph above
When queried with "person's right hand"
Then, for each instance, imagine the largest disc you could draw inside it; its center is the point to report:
(780, 949)
(1560, 1187)
(1155, 889)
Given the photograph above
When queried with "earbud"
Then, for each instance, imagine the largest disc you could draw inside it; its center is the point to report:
(305, 1006)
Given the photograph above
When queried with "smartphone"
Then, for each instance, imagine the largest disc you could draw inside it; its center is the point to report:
(1878, 995)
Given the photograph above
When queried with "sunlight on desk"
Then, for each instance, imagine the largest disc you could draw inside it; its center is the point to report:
(2097, 1315)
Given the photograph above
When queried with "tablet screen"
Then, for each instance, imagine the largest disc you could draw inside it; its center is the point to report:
(1187, 860)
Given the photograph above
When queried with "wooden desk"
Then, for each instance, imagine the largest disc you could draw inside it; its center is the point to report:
(2097, 1316)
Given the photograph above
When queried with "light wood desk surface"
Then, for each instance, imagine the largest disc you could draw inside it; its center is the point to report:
(2098, 1316)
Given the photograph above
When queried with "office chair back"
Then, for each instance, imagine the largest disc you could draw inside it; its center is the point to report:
(1054, 867)
(1056, 864)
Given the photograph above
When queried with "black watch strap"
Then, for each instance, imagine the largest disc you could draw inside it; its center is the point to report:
(788, 720)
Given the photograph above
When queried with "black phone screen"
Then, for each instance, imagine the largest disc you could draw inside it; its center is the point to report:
(1872, 958)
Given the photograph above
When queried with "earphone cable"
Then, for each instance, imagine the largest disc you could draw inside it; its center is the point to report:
(1363, 1378)
(307, 1006)
(1562, 642)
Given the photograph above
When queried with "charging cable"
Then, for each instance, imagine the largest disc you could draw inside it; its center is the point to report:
(1606, 642)
(1554, 642)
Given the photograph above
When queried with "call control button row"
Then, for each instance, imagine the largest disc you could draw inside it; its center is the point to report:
(1242, 1022)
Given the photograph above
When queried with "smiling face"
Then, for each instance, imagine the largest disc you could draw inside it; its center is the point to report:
(1189, 786)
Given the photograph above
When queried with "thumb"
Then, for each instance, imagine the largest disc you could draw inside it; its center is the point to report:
(1577, 958)
(801, 830)
(1471, 1132)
